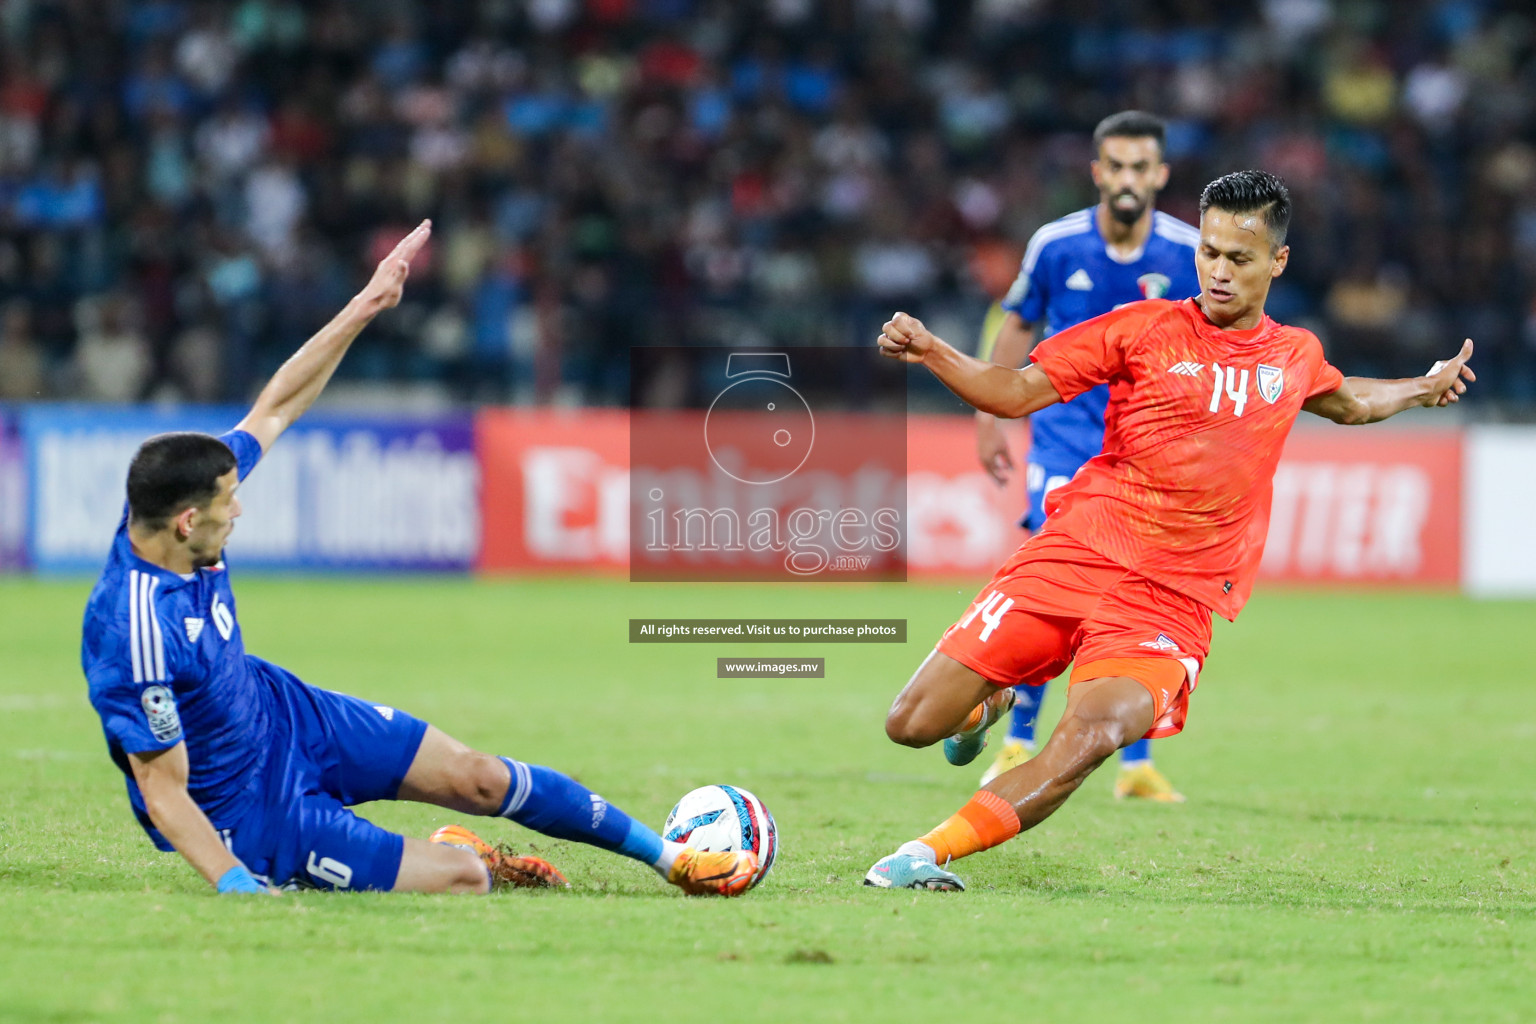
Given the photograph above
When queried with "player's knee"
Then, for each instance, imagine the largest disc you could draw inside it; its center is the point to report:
(1091, 737)
(490, 778)
(480, 781)
(906, 728)
(467, 874)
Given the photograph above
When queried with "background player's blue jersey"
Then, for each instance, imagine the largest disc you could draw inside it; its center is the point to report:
(1069, 276)
(165, 661)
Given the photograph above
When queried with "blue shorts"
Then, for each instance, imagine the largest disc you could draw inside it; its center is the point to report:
(1041, 478)
(342, 751)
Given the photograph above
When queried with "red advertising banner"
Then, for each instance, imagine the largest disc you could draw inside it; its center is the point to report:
(555, 494)
(961, 522)
(1367, 505)
(768, 466)
(554, 489)
(1352, 505)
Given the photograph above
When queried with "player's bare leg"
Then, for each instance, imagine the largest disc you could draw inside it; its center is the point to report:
(940, 700)
(1102, 716)
(450, 774)
(433, 867)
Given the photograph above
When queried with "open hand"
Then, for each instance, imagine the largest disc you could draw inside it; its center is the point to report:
(904, 337)
(1449, 377)
(383, 291)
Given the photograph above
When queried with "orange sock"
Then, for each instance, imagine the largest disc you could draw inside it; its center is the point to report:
(976, 717)
(986, 821)
(983, 713)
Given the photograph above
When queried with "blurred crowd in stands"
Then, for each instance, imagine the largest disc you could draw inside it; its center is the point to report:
(188, 188)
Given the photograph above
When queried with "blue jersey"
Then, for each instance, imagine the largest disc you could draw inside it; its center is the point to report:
(165, 662)
(1069, 276)
(273, 763)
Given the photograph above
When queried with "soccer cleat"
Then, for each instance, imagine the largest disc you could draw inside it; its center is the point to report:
(904, 871)
(713, 873)
(1010, 757)
(1144, 782)
(962, 748)
(508, 870)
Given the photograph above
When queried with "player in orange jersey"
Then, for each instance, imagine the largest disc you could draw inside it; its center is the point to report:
(1151, 536)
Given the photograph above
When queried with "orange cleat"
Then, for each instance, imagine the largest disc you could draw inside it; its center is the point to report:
(707, 873)
(507, 869)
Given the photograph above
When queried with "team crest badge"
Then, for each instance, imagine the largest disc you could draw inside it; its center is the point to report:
(1153, 286)
(1271, 382)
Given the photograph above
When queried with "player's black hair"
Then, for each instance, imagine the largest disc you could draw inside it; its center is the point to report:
(1131, 124)
(173, 472)
(1252, 192)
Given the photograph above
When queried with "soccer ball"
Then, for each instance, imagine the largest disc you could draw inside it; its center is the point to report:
(725, 818)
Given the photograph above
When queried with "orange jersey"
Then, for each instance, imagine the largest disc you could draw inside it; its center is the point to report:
(1196, 421)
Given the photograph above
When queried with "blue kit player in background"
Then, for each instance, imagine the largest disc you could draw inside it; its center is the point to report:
(248, 772)
(1076, 268)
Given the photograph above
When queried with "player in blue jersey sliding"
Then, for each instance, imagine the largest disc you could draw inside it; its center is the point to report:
(248, 772)
(1076, 268)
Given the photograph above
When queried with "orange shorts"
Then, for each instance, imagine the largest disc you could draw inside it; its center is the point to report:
(1057, 601)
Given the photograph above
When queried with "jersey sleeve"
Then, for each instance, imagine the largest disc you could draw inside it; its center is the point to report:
(246, 448)
(1327, 380)
(129, 667)
(1087, 355)
(138, 717)
(1029, 292)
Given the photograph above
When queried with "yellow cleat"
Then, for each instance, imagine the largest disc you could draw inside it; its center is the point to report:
(507, 869)
(1013, 754)
(1142, 781)
(706, 873)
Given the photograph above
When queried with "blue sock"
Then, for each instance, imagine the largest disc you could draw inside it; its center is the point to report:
(1141, 750)
(1021, 723)
(557, 805)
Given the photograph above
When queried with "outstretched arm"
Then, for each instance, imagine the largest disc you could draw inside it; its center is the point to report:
(1370, 400)
(985, 386)
(299, 381)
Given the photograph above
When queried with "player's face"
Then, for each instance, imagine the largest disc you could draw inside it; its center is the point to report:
(1129, 173)
(211, 526)
(1236, 263)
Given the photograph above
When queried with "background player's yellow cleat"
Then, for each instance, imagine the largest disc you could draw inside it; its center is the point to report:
(1142, 781)
(707, 873)
(1010, 757)
(507, 869)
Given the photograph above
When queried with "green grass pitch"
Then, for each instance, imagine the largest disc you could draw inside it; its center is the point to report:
(1360, 841)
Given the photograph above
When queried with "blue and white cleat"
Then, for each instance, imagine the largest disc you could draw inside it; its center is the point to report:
(904, 871)
(962, 748)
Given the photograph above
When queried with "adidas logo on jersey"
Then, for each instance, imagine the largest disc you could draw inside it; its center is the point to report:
(1080, 281)
(1162, 643)
(1187, 369)
(194, 628)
